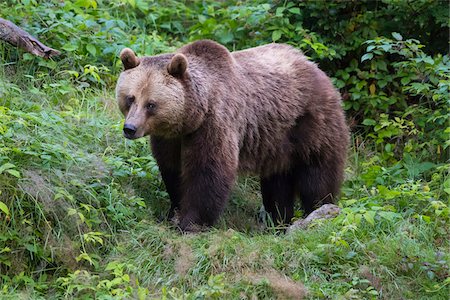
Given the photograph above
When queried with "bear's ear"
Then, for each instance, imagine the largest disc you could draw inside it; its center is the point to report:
(129, 59)
(177, 65)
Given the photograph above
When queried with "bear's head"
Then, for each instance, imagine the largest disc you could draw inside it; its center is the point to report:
(151, 95)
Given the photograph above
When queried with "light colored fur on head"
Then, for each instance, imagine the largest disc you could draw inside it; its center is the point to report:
(147, 84)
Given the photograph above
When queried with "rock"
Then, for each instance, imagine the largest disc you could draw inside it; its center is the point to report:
(326, 211)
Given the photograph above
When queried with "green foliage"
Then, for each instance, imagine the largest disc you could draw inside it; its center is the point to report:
(78, 202)
(116, 284)
(61, 208)
(413, 90)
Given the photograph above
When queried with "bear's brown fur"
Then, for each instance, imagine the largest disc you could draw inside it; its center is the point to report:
(211, 114)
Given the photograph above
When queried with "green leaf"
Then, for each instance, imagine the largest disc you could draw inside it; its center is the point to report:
(85, 256)
(226, 37)
(388, 215)
(367, 56)
(142, 5)
(91, 49)
(202, 19)
(6, 167)
(14, 173)
(447, 186)
(369, 216)
(382, 83)
(386, 47)
(31, 247)
(350, 202)
(428, 60)
(357, 219)
(86, 3)
(387, 193)
(279, 11)
(405, 80)
(370, 48)
(276, 35)
(70, 47)
(381, 65)
(425, 166)
(397, 36)
(266, 6)
(388, 147)
(427, 219)
(295, 10)
(5, 250)
(369, 122)
(4, 208)
(81, 216)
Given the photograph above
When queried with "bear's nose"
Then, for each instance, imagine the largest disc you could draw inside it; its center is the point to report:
(129, 130)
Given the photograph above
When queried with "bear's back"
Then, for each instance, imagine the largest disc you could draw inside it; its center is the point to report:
(269, 97)
(271, 58)
(284, 91)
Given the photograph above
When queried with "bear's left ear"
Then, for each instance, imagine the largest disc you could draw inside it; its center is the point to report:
(177, 65)
(129, 59)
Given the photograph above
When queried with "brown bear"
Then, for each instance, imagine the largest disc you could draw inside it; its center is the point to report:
(212, 113)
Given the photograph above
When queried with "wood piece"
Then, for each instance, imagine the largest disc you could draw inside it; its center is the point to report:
(16, 36)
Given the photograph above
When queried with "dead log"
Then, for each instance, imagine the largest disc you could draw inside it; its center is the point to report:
(16, 36)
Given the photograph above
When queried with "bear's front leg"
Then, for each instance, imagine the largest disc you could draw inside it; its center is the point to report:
(167, 154)
(209, 167)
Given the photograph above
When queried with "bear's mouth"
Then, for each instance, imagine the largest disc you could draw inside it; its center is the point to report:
(130, 137)
(133, 137)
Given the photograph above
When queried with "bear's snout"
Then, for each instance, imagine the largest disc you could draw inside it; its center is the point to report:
(129, 131)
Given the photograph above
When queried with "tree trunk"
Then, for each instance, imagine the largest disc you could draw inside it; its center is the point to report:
(16, 36)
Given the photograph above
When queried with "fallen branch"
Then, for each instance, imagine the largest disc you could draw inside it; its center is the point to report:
(16, 36)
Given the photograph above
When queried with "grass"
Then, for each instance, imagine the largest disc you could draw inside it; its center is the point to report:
(376, 263)
(83, 207)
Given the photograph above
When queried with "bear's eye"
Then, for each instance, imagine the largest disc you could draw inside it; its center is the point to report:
(129, 100)
(150, 106)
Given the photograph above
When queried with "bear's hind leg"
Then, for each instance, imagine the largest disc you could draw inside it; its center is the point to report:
(318, 185)
(278, 193)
